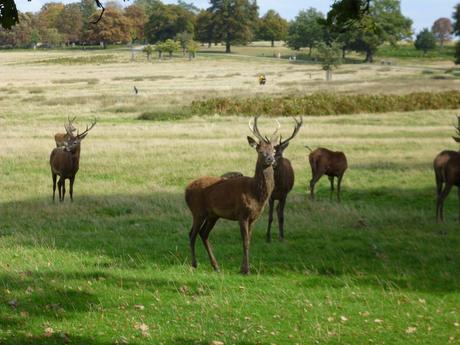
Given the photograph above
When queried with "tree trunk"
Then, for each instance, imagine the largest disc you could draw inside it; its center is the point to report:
(344, 53)
(273, 43)
(369, 56)
(228, 49)
(329, 74)
(170, 55)
(160, 55)
(309, 53)
(209, 44)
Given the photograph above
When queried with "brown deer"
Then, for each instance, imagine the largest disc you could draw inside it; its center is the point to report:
(330, 163)
(231, 174)
(62, 138)
(447, 172)
(239, 199)
(65, 161)
(284, 181)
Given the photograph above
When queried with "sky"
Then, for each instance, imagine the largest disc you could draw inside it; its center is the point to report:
(422, 12)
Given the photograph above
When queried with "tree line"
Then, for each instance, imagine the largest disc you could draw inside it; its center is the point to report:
(225, 21)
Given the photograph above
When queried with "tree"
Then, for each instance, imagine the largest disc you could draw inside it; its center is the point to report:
(204, 27)
(70, 22)
(425, 41)
(49, 15)
(329, 56)
(234, 20)
(456, 31)
(112, 28)
(383, 23)
(192, 48)
(170, 46)
(22, 34)
(306, 29)
(137, 18)
(51, 37)
(167, 22)
(183, 38)
(442, 28)
(148, 50)
(272, 27)
(344, 13)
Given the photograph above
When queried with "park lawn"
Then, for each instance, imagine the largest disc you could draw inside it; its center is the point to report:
(113, 267)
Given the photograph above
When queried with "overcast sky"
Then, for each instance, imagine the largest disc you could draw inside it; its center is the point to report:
(422, 12)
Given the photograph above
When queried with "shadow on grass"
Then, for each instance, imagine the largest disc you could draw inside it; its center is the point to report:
(382, 237)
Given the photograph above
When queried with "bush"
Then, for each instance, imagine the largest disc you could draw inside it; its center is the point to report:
(327, 104)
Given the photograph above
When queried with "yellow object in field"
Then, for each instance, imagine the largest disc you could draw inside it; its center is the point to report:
(262, 79)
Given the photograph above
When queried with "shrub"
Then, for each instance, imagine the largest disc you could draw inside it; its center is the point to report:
(327, 104)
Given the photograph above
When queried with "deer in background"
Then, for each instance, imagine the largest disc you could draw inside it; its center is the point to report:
(62, 138)
(327, 162)
(65, 161)
(284, 181)
(240, 199)
(447, 172)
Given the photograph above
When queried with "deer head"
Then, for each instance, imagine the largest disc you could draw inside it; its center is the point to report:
(283, 144)
(264, 147)
(74, 140)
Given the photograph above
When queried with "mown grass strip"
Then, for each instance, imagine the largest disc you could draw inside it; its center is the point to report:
(327, 104)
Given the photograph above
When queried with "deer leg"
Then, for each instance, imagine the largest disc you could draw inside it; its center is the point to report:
(204, 234)
(441, 198)
(63, 188)
(458, 191)
(60, 188)
(271, 203)
(72, 179)
(339, 184)
(244, 228)
(331, 180)
(280, 212)
(313, 182)
(197, 224)
(54, 185)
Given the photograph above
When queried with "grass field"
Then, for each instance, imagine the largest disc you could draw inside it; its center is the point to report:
(113, 267)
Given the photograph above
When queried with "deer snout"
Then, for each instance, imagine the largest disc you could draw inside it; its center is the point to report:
(269, 160)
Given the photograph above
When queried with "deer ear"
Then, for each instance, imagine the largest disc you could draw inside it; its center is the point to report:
(252, 142)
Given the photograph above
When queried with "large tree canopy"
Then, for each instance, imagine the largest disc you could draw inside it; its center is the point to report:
(272, 27)
(306, 29)
(234, 20)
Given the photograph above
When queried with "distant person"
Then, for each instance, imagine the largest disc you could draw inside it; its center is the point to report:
(262, 79)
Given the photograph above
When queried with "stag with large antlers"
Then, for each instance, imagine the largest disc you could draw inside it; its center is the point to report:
(65, 161)
(62, 138)
(284, 181)
(240, 199)
(447, 172)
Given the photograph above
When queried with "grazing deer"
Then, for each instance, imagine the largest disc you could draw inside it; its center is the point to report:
(284, 181)
(65, 161)
(240, 199)
(447, 172)
(62, 138)
(327, 162)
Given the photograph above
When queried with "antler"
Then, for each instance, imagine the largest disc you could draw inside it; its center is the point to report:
(255, 130)
(457, 138)
(297, 126)
(88, 128)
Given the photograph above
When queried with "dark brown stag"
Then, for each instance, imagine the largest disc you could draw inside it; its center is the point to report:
(447, 172)
(240, 199)
(284, 181)
(62, 138)
(330, 163)
(65, 161)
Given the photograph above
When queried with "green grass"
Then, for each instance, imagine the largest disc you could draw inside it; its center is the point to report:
(408, 51)
(113, 267)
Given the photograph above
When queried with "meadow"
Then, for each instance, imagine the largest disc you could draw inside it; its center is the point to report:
(114, 266)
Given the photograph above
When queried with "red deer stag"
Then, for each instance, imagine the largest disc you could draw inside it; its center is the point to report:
(447, 171)
(65, 161)
(329, 163)
(284, 181)
(240, 199)
(62, 138)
